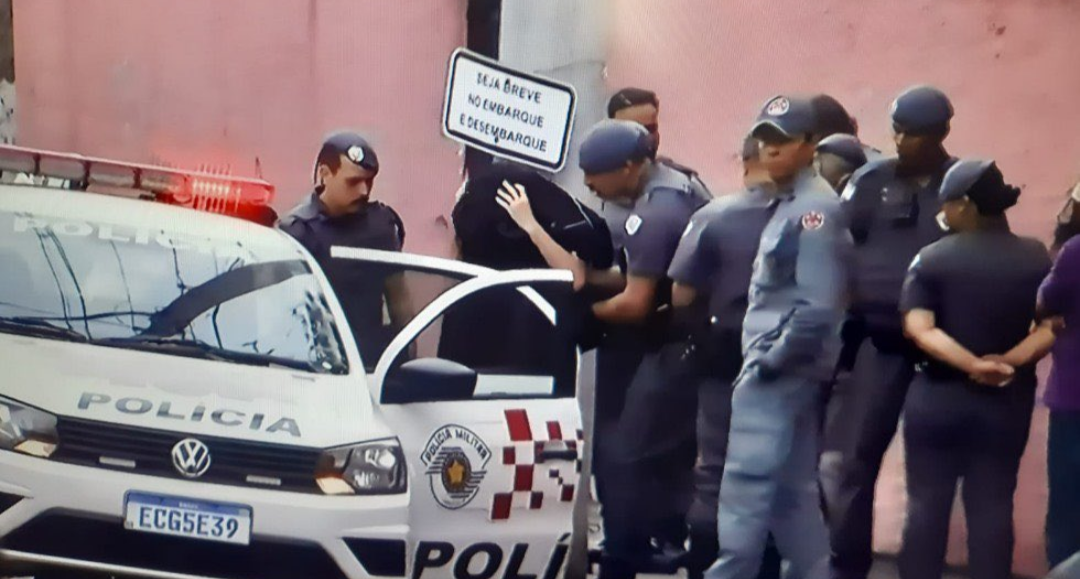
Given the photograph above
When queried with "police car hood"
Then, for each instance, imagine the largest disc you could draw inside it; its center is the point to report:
(187, 395)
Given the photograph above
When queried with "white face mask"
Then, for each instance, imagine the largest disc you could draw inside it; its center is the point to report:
(942, 223)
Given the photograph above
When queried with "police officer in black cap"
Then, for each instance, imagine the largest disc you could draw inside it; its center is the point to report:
(892, 206)
(969, 306)
(340, 211)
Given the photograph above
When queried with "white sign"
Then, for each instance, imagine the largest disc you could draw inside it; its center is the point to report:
(508, 113)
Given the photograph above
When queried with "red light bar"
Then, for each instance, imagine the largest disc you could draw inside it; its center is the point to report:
(195, 189)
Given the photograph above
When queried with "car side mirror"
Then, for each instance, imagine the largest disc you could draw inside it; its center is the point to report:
(429, 380)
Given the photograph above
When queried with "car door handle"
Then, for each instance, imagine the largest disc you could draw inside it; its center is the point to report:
(566, 454)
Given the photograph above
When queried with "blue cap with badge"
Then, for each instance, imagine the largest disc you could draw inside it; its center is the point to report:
(792, 116)
(921, 109)
(610, 144)
(350, 145)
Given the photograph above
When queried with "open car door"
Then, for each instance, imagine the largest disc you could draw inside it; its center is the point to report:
(479, 380)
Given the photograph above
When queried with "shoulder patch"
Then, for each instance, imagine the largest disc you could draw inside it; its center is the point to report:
(633, 223)
(813, 220)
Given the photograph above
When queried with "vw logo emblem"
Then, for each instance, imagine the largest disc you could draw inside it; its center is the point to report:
(191, 458)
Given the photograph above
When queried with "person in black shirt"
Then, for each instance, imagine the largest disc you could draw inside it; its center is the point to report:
(340, 211)
(891, 204)
(969, 305)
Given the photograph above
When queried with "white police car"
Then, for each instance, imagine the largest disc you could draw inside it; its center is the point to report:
(181, 396)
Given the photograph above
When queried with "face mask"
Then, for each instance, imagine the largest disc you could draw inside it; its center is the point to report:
(942, 223)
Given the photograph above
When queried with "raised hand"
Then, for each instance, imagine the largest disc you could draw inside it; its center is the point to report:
(513, 199)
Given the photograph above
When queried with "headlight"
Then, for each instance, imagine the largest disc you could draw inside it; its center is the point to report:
(370, 468)
(27, 430)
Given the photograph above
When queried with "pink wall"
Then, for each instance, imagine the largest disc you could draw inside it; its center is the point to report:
(221, 83)
(1011, 68)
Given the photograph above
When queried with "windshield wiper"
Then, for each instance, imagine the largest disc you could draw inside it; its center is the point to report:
(38, 328)
(197, 349)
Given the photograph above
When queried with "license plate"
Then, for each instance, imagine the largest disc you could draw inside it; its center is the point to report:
(181, 517)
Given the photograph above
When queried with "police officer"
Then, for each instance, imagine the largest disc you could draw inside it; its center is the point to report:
(837, 158)
(892, 205)
(340, 211)
(712, 267)
(969, 304)
(643, 106)
(791, 338)
(636, 448)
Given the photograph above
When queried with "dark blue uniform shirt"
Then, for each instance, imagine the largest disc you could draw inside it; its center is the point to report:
(982, 288)
(359, 287)
(892, 217)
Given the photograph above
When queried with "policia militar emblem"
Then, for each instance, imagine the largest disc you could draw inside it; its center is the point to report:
(455, 458)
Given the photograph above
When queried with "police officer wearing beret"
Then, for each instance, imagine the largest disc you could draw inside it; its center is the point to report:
(892, 205)
(712, 268)
(637, 453)
(969, 306)
(790, 343)
(340, 211)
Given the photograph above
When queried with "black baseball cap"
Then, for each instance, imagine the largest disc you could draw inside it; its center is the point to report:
(350, 145)
(921, 109)
(611, 143)
(792, 116)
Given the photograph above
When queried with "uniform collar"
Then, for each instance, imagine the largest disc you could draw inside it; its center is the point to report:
(314, 208)
(787, 192)
(311, 208)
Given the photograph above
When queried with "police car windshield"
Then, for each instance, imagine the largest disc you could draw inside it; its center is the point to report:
(128, 286)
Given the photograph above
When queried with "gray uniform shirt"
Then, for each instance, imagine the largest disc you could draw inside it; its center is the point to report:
(717, 251)
(799, 288)
(648, 236)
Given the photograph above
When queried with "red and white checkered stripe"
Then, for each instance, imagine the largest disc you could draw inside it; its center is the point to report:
(528, 491)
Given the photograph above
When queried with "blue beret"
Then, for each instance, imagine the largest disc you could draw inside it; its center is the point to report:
(355, 148)
(961, 177)
(921, 108)
(982, 182)
(847, 147)
(792, 116)
(610, 144)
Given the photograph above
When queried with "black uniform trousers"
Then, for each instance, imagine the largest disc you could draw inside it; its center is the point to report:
(861, 419)
(956, 430)
(648, 462)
